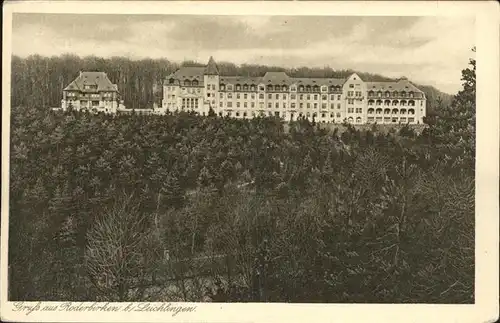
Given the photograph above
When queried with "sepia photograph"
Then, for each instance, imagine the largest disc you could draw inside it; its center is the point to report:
(241, 158)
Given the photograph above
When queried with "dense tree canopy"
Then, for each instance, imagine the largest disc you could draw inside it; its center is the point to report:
(264, 212)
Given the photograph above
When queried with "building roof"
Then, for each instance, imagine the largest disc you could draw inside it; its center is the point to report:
(191, 73)
(92, 78)
(211, 67)
(318, 81)
(240, 80)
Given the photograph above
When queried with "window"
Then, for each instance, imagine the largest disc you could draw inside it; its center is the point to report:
(221, 95)
(309, 97)
(269, 105)
(322, 115)
(358, 93)
(244, 104)
(222, 87)
(284, 96)
(277, 96)
(338, 106)
(350, 93)
(230, 104)
(293, 88)
(324, 97)
(324, 89)
(284, 105)
(301, 97)
(261, 88)
(323, 106)
(208, 95)
(338, 115)
(350, 110)
(308, 105)
(245, 87)
(292, 96)
(351, 86)
(238, 87)
(350, 101)
(332, 97)
(277, 105)
(213, 87)
(359, 110)
(253, 95)
(338, 97)
(269, 96)
(293, 105)
(315, 97)
(332, 106)
(244, 96)
(237, 104)
(221, 104)
(253, 104)
(301, 105)
(237, 114)
(315, 105)
(261, 96)
(244, 114)
(237, 95)
(230, 95)
(230, 87)
(252, 88)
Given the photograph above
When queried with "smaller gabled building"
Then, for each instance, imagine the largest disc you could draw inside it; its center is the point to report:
(92, 91)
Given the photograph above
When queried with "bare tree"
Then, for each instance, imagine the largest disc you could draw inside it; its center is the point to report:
(119, 252)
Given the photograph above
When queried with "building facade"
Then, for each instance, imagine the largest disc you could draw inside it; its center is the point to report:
(327, 100)
(92, 91)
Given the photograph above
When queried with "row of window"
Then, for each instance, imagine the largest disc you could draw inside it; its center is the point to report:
(394, 102)
(277, 114)
(389, 111)
(394, 94)
(93, 95)
(277, 105)
(283, 96)
(351, 110)
(349, 93)
(189, 103)
(281, 88)
(390, 120)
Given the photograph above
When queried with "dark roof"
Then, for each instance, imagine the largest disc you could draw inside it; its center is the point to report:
(318, 81)
(240, 80)
(276, 78)
(192, 73)
(211, 67)
(401, 85)
(92, 78)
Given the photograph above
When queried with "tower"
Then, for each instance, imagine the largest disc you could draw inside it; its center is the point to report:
(211, 82)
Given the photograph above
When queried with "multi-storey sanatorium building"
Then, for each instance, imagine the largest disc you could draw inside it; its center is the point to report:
(277, 94)
(92, 91)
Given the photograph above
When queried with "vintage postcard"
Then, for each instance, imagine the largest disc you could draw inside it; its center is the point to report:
(250, 161)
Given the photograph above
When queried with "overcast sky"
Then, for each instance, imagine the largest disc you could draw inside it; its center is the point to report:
(428, 50)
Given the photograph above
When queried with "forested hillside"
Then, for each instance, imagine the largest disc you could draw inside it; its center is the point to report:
(184, 207)
(39, 81)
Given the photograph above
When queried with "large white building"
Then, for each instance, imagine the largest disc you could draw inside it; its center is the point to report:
(328, 100)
